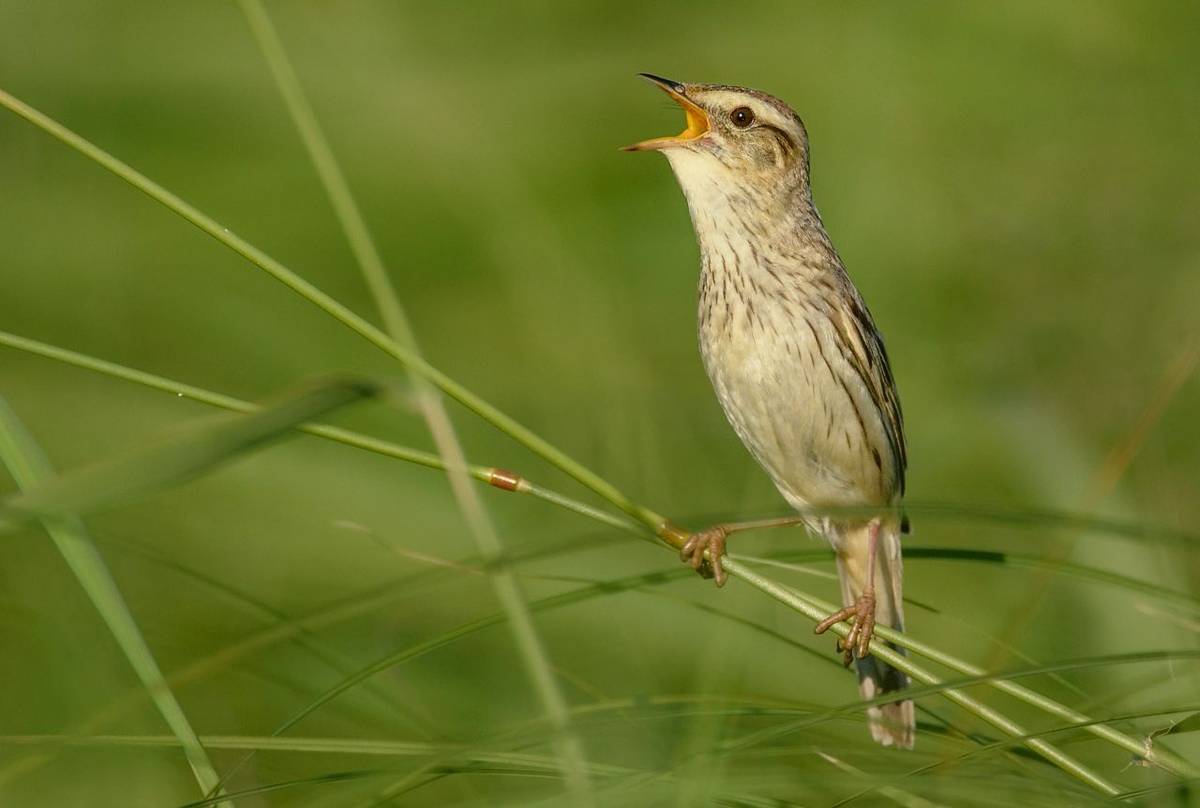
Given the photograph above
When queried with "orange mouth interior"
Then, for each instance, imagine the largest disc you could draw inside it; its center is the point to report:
(697, 125)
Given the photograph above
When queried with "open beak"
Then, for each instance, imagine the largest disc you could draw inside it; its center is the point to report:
(697, 119)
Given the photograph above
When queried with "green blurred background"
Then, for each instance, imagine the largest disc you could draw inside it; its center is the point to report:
(1014, 188)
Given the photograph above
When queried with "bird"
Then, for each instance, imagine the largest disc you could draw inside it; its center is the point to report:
(796, 362)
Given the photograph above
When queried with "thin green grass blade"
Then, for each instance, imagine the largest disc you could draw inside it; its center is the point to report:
(525, 634)
(852, 708)
(800, 603)
(892, 792)
(371, 600)
(445, 638)
(755, 742)
(947, 689)
(991, 638)
(336, 746)
(815, 609)
(30, 468)
(201, 448)
(487, 474)
(1189, 724)
(447, 754)
(1041, 518)
(799, 558)
(1091, 663)
(360, 774)
(1062, 567)
(333, 180)
(497, 478)
(271, 788)
(1004, 745)
(225, 657)
(1163, 758)
(849, 709)
(792, 559)
(506, 424)
(1183, 787)
(303, 637)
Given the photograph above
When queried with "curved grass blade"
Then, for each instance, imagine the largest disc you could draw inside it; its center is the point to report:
(854, 709)
(815, 612)
(1088, 663)
(501, 421)
(1023, 518)
(1163, 758)
(270, 788)
(304, 637)
(641, 582)
(1189, 724)
(991, 638)
(489, 475)
(895, 794)
(1002, 557)
(949, 689)
(1005, 558)
(463, 630)
(371, 600)
(498, 478)
(1183, 787)
(203, 447)
(1064, 567)
(1000, 746)
(30, 468)
(1041, 518)
(531, 728)
(338, 746)
(813, 607)
(551, 773)
(223, 658)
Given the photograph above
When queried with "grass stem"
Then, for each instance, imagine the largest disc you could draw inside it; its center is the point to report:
(801, 603)
(29, 467)
(479, 524)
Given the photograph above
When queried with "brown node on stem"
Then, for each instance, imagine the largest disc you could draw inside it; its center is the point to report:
(503, 478)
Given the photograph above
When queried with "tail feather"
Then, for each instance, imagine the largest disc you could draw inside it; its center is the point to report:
(892, 724)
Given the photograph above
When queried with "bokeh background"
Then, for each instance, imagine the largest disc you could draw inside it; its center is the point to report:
(1014, 187)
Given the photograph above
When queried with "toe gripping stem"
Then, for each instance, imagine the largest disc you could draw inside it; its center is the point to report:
(713, 540)
(858, 641)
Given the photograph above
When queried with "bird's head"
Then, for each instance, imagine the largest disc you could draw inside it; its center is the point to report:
(738, 142)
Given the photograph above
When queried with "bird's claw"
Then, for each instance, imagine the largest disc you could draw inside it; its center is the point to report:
(858, 641)
(713, 540)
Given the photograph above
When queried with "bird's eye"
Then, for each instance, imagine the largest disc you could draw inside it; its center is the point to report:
(742, 117)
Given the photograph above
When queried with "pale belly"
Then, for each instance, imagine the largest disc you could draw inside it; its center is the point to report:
(800, 411)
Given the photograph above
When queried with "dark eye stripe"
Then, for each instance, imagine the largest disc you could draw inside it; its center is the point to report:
(785, 140)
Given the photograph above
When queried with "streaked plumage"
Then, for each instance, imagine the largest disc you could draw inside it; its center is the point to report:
(792, 351)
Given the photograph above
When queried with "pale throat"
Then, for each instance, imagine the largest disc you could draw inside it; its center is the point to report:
(735, 218)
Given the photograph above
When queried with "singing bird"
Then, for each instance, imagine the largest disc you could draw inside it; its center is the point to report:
(796, 360)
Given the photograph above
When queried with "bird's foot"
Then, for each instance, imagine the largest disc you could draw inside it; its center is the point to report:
(711, 539)
(857, 641)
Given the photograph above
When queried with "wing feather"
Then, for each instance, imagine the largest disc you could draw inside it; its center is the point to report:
(869, 358)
